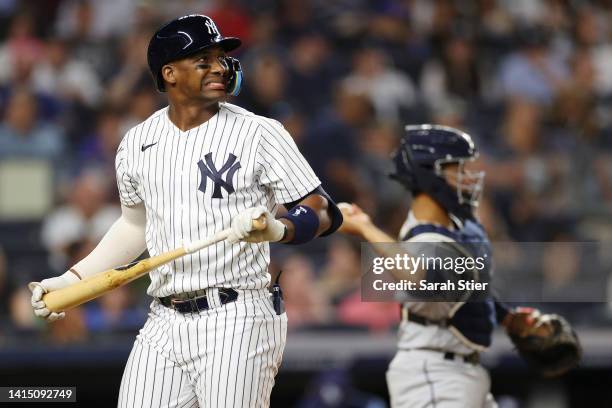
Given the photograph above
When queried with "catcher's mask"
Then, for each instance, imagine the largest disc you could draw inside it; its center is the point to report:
(434, 159)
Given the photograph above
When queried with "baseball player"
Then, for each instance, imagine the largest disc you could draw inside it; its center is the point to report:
(214, 336)
(437, 363)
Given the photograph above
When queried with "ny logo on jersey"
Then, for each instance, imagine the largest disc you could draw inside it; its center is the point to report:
(209, 171)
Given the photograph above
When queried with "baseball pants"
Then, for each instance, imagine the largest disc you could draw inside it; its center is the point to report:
(423, 378)
(226, 356)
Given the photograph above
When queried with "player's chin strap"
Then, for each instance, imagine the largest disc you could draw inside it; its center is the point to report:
(233, 73)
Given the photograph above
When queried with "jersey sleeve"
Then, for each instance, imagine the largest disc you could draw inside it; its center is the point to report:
(127, 184)
(283, 167)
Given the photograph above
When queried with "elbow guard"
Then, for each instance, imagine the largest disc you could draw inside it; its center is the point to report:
(334, 213)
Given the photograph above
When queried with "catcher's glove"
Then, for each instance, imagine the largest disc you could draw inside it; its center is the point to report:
(547, 342)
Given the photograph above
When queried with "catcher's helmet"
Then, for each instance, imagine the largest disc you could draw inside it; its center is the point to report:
(419, 166)
(188, 35)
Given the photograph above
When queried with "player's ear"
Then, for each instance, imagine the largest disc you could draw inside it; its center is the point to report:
(168, 72)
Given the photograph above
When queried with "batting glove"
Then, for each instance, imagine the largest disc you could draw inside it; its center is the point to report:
(242, 227)
(49, 285)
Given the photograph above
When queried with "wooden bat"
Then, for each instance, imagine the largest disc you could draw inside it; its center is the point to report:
(101, 283)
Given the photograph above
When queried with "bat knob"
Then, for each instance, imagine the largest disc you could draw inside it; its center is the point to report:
(260, 223)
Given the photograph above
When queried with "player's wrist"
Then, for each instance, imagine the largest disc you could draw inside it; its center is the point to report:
(302, 224)
(287, 232)
(66, 279)
(277, 229)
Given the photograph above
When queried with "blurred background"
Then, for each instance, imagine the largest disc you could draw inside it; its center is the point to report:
(531, 80)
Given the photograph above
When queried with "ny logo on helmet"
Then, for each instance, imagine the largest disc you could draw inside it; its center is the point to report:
(209, 171)
(212, 28)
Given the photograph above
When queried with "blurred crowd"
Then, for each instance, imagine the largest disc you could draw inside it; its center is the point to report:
(531, 80)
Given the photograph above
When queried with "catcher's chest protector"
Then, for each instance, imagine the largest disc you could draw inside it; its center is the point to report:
(474, 321)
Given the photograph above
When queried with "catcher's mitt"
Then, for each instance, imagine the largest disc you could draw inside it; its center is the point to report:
(547, 342)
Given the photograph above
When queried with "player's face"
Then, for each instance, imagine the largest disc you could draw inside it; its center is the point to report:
(202, 76)
(466, 178)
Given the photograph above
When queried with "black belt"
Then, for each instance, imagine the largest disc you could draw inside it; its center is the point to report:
(472, 358)
(423, 321)
(199, 303)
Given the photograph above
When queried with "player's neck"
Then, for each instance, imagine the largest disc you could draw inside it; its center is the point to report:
(188, 116)
(426, 209)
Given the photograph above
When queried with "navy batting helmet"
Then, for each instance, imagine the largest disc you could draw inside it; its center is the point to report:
(186, 36)
(419, 165)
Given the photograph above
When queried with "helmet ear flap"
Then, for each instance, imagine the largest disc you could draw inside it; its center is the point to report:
(404, 168)
(234, 75)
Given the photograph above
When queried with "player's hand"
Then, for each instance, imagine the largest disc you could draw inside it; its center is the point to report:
(355, 220)
(243, 230)
(49, 285)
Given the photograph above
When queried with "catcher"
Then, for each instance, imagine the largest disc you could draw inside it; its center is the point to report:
(437, 362)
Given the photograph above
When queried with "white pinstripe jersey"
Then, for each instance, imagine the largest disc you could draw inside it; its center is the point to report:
(193, 183)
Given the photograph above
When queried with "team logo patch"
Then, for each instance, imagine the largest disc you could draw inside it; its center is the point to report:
(209, 171)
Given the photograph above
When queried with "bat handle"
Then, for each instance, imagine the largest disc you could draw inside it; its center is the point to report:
(259, 223)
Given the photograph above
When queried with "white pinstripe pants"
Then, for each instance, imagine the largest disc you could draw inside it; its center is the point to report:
(226, 356)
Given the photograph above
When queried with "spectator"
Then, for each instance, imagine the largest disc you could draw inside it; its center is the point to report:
(82, 221)
(114, 312)
(341, 283)
(533, 72)
(23, 135)
(340, 274)
(305, 304)
(112, 17)
(311, 72)
(132, 72)
(265, 90)
(85, 46)
(65, 77)
(453, 78)
(99, 148)
(331, 145)
(230, 15)
(20, 50)
(391, 91)
(144, 101)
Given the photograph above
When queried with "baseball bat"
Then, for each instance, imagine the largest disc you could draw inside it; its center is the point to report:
(101, 283)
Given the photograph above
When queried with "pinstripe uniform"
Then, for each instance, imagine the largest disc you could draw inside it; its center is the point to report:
(192, 184)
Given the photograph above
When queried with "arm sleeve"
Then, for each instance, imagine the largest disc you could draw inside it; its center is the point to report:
(124, 242)
(127, 184)
(284, 169)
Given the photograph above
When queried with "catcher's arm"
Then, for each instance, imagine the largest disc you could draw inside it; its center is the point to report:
(357, 222)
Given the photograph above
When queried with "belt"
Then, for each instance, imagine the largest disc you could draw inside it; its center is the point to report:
(199, 303)
(472, 358)
(423, 321)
